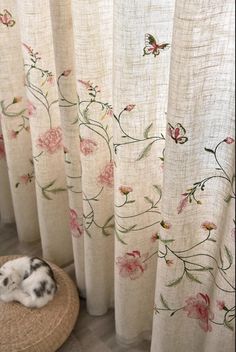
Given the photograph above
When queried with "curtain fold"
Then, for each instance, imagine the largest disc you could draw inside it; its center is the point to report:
(117, 148)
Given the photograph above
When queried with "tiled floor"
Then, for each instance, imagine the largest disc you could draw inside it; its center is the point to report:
(90, 334)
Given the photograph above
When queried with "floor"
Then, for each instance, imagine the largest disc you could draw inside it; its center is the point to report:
(90, 334)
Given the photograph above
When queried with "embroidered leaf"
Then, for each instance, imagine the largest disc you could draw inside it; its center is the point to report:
(147, 130)
(49, 185)
(45, 195)
(119, 239)
(209, 150)
(175, 282)
(229, 255)
(211, 239)
(88, 233)
(128, 229)
(105, 233)
(228, 325)
(163, 301)
(145, 152)
(158, 189)
(130, 201)
(148, 200)
(17, 184)
(228, 198)
(221, 259)
(56, 190)
(166, 241)
(192, 277)
(85, 114)
(206, 268)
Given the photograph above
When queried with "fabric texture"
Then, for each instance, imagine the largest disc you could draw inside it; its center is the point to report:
(117, 144)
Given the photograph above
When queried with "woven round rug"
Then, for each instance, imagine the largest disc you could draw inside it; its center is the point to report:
(39, 330)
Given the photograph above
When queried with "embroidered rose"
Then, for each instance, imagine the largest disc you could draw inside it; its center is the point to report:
(129, 107)
(75, 227)
(229, 140)
(125, 189)
(132, 265)
(6, 18)
(207, 225)
(87, 146)
(51, 140)
(199, 308)
(106, 177)
(2, 147)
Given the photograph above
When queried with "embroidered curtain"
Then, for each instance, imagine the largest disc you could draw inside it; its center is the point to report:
(117, 140)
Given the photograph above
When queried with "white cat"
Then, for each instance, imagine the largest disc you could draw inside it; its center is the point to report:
(28, 280)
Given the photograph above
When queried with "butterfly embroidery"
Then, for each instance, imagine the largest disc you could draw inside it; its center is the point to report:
(6, 19)
(152, 47)
(177, 133)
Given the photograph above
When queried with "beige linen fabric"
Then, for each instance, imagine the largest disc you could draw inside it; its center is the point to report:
(117, 119)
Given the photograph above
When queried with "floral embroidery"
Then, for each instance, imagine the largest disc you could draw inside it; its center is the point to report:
(76, 228)
(31, 109)
(220, 304)
(129, 107)
(125, 189)
(6, 18)
(87, 146)
(51, 140)
(177, 133)
(106, 177)
(199, 308)
(2, 147)
(132, 265)
(208, 225)
(152, 47)
(190, 195)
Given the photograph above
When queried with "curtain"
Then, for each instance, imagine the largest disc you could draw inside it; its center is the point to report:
(116, 150)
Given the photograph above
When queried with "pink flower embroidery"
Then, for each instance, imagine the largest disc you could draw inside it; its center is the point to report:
(50, 79)
(154, 237)
(6, 18)
(125, 189)
(86, 84)
(129, 107)
(229, 140)
(177, 133)
(199, 308)
(2, 147)
(31, 109)
(76, 228)
(87, 146)
(106, 177)
(220, 304)
(24, 179)
(13, 134)
(207, 225)
(132, 265)
(182, 204)
(51, 140)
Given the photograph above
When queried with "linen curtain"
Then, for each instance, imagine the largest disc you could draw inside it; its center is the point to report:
(116, 148)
